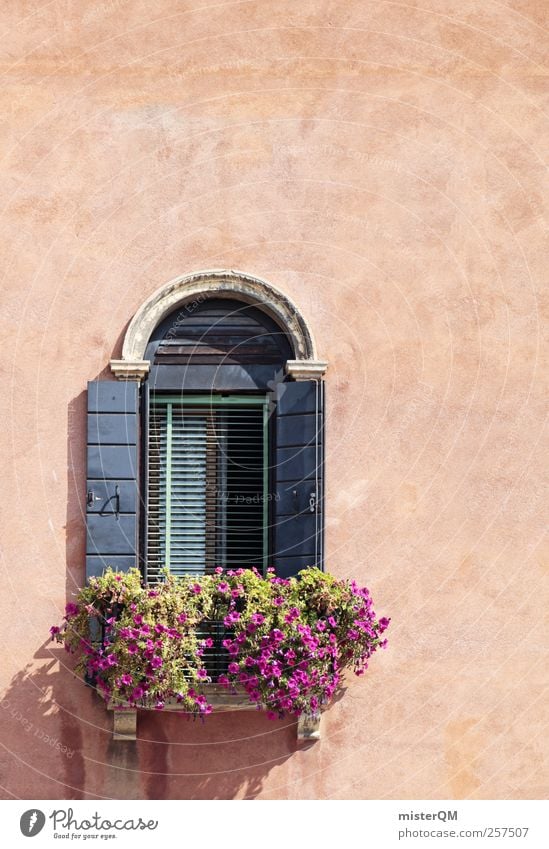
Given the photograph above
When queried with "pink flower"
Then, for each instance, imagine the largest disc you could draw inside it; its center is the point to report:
(197, 589)
(54, 630)
(278, 601)
(218, 570)
(156, 662)
(223, 587)
(127, 679)
(258, 619)
(138, 693)
(233, 668)
(383, 624)
(202, 674)
(182, 617)
(132, 648)
(152, 593)
(231, 618)
(332, 622)
(137, 619)
(71, 609)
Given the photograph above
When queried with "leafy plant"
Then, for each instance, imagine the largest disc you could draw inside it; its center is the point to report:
(287, 641)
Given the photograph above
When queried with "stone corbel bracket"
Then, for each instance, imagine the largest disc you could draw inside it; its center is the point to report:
(306, 369)
(130, 369)
(125, 725)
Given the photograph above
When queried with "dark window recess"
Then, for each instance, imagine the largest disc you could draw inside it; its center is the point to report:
(221, 332)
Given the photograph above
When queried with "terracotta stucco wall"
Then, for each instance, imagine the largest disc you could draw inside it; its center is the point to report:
(382, 164)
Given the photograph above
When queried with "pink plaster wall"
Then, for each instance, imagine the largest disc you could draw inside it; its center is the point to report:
(382, 164)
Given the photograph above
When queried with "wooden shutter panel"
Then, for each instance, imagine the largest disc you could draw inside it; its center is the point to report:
(299, 474)
(111, 491)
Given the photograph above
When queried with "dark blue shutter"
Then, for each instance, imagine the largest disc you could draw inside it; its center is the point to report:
(111, 491)
(298, 515)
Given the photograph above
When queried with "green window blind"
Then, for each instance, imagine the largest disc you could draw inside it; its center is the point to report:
(207, 476)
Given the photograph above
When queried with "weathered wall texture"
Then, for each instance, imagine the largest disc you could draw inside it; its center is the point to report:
(382, 164)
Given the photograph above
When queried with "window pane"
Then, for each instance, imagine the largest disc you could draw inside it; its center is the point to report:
(207, 488)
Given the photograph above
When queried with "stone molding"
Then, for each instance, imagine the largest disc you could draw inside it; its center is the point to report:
(195, 289)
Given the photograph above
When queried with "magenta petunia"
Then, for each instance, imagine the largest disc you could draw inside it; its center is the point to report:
(257, 618)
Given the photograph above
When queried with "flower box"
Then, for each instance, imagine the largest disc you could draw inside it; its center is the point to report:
(221, 641)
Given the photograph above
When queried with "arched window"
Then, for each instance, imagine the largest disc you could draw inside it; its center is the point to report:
(209, 449)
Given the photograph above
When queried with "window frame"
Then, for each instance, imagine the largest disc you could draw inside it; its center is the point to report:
(206, 400)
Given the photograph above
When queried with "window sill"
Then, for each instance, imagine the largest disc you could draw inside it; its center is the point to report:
(125, 718)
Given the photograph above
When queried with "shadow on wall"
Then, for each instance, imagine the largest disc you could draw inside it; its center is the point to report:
(62, 748)
(58, 733)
